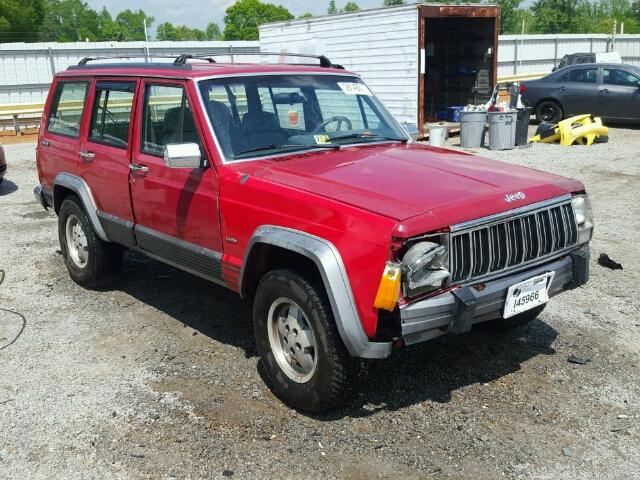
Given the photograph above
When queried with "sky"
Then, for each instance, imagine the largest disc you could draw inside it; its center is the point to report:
(198, 13)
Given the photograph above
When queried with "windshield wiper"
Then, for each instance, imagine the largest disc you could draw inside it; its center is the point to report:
(374, 136)
(286, 146)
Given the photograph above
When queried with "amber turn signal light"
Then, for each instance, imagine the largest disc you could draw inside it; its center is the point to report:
(389, 288)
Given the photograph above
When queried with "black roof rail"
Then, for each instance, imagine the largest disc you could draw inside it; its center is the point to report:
(181, 60)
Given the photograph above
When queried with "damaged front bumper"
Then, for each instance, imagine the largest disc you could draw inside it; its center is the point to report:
(457, 310)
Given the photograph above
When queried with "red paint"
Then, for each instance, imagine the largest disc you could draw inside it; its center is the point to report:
(363, 199)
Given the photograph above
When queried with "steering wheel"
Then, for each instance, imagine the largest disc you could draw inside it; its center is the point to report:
(338, 118)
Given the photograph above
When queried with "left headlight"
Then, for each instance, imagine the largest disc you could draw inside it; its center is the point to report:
(584, 217)
(425, 266)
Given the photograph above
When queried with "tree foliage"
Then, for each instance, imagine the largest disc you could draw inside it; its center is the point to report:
(168, 31)
(508, 19)
(20, 20)
(393, 3)
(351, 7)
(332, 9)
(243, 18)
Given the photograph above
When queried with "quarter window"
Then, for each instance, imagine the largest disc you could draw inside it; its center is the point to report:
(67, 107)
(167, 119)
(583, 75)
(111, 114)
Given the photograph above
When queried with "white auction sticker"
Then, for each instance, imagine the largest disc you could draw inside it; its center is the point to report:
(353, 88)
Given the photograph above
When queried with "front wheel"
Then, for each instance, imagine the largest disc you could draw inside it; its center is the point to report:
(307, 364)
(90, 261)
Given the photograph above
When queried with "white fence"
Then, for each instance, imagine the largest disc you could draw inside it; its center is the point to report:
(523, 54)
(26, 69)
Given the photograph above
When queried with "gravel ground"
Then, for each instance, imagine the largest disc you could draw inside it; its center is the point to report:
(158, 377)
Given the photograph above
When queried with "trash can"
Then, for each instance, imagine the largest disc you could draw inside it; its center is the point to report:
(437, 134)
(502, 130)
(472, 129)
(522, 126)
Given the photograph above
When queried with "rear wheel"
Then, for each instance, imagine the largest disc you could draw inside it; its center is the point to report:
(549, 111)
(504, 324)
(90, 261)
(307, 364)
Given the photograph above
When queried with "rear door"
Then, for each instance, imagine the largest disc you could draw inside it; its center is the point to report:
(176, 209)
(619, 94)
(105, 153)
(59, 140)
(578, 92)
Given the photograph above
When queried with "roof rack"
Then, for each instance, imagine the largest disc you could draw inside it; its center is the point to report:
(181, 60)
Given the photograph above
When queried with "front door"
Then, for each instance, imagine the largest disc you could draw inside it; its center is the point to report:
(176, 209)
(619, 94)
(105, 153)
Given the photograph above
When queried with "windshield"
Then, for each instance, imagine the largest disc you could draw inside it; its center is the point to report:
(273, 114)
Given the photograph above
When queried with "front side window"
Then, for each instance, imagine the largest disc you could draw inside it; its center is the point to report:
(111, 115)
(622, 78)
(287, 113)
(166, 119)
(584, 75)
(67, 107)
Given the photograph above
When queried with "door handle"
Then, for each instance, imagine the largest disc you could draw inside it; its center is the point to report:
(562, 89)
(604, 90)
(45, 143)
(86, 156)
(139, 169)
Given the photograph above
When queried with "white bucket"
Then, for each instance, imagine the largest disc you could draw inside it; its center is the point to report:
(437, 134)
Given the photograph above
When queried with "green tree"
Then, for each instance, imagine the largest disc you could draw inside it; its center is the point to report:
(635, 10)
(69, 21)
(508, 18)
(555, 16)
(332, 9)
(243, 18)
(20, 20)
(523, 21)
(393, 3)
(351, 7)
(212, 32)
(306, 15)
(107, 27)
(131, 24)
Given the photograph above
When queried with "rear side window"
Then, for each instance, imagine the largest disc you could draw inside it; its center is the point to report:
(619, 77)
(66, 108)
(111, 113)
(167, 119)
(583, 75)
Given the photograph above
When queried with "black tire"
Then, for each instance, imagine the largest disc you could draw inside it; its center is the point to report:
(602, 139)
(505, 324)
(549, 111)
(337, 375)
(103, 259)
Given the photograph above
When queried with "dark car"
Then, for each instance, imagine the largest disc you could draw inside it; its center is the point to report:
(3, 164)
(607, 90)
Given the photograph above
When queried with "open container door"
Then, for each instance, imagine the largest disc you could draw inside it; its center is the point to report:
(458, 57)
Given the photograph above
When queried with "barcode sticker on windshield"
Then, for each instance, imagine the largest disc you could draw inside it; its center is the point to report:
(353, 88)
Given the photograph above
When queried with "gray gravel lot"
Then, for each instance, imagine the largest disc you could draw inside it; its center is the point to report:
(158, 377)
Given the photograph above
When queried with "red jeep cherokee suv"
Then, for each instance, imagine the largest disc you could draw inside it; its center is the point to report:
(293, 186)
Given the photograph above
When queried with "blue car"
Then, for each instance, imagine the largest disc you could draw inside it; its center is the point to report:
(611, 91)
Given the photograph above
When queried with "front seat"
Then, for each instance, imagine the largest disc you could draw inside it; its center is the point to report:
(172, 131)
(261, 129)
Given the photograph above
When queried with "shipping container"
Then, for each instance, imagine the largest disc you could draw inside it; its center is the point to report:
(418, 59)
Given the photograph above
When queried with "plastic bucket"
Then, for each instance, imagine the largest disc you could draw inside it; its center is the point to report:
(502, 130)
(437, 134)
(472, 129)
(522, 126)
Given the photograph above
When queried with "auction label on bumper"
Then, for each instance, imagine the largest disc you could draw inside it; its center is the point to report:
(526, 295)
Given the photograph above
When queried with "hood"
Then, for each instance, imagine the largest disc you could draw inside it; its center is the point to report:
(406, 181)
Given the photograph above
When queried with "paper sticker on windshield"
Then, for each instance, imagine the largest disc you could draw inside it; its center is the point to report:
(353, 88)
(321, 139)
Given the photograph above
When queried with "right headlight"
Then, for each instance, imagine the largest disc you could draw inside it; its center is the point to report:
(584, 217)
(425, 266)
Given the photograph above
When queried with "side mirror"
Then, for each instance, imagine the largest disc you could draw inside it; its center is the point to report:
(182, 155)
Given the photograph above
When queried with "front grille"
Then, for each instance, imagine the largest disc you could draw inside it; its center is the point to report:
(514, 241)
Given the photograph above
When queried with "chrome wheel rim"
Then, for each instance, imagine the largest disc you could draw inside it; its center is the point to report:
(76, 242)
(292, 340)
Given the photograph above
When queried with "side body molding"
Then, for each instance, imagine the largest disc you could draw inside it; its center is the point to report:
(329, 262)
(80, 187)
